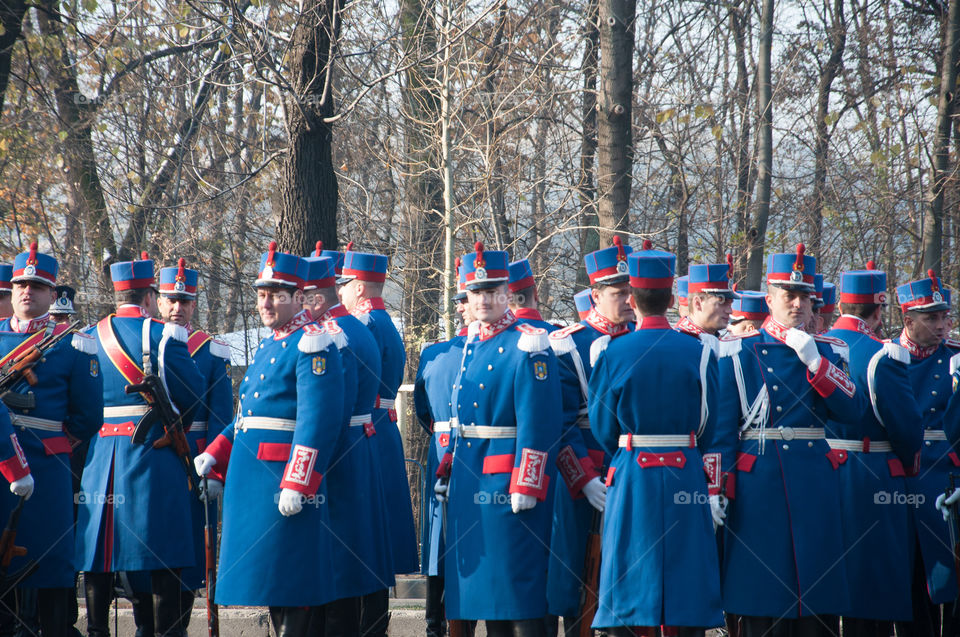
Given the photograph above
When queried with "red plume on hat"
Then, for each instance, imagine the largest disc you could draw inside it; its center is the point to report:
(729, 265)
(934, 285)
(647, 244)
(181, 275)
(798, 264)
(349, 246)
(319, 249)
(144, 256)
(618, 243)
(271, 251)
(456, 263)
(871, 265)
(478, 248)
(32, 257)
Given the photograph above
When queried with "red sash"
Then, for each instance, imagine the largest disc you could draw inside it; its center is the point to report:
(197, 340)
(115, 352)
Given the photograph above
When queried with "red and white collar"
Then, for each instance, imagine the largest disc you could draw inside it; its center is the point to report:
(502, 323)
(302, 318)
(776, 329)
(653, 323)
(463, 330)
(28, 327)
(913, 348)
(335, 312)
(687, 326)
(854, 324)
(528, 313)
(129, 310)
(602, 324)
(365, 305)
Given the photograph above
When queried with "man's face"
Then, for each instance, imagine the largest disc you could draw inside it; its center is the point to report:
(6, 305)
(32, 299)
(792, 308)
(150, 303)
(613, 302)
(488, 305)
(278, 305)
(710, 312)
(350, 294)
(926, 329)
(744, 326)
(463, 309)
(176, 310)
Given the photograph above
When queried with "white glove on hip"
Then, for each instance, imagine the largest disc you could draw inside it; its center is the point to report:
(214, 489)
(596, 493)
(291, 502)
(805, 347)
(718, 509)
(944, 502)
(440, 489)
(203, 463)
(23, 486)
(520, 502)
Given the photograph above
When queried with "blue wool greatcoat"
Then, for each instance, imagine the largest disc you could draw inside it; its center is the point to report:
(134, 512)
(358, 515)
(497, 567)
(580, 459)
(69, 391)
(297, 380)
(930, 375)
(396, 490)
(432, 397)
(876, 524)
(783, 537)
(661, 568)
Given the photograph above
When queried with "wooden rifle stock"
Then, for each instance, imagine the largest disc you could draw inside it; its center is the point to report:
(591, 576)
(210, 558)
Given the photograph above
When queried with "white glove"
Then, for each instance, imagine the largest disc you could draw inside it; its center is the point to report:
(944, 503)
(23, 486)
(203, 463)
(291, 502)
(596, 494)
(520, 502)
(440, 489)
(718, 509)
(214, 489)
(805, 347)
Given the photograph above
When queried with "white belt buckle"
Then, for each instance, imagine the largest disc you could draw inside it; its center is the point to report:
(787, 433)
(241, 425)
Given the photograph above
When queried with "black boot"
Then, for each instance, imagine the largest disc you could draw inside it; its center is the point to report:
(291, 621)
(98, 589)
(375, 614)
(186, 609)
(341, 617)
(434, 607)
(529, 628)
(143, 614)
(53, 609)
(499, 628)
(166, 602)
(28, 622)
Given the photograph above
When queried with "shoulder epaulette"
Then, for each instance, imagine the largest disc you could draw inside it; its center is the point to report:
(952, 343)
(363, 318)
(897, 353)
(175, 332)
(220, 349)
(314, 339)
(532, 339)
(711, 341)
(561, 342)
(337, 335)
(84, 343)
(839, 347)
(597, 347)
(731, 344)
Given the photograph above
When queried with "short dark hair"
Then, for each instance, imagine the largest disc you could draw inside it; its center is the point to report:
(131, 297)
(524, 297)
(861, 310)
(652, 302)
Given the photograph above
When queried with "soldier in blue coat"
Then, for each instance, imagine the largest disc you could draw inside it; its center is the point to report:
(275, 549)
(68, 410)
(6, 291)
(134, 512)
(710, 300)
(583, 302)
(748, 312)
(925, 308)
(783, 539)
(580, 458)
(875, 453)
(506, 404)
(364, 275)
(661, 568)
(361, 549)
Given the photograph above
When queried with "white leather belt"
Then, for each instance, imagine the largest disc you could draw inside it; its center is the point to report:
(361, 420)
(784, 433)
(198, 425)
(583, 421)
(441, 427)
(934, 434)
(857, 445)
(36, 423)
(666, 440)
(127, 411)
(486, 431)
(260, 422)
(385, 403)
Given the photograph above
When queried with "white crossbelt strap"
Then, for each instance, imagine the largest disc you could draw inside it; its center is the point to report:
(486, 431)
(260, 422)
(784, 433)
(704, 408)
(934, 434)
(361, 420)
(872, 383)
(126, 411)
(634, 440)
(857, 445)
(36, 423)
(198, 425)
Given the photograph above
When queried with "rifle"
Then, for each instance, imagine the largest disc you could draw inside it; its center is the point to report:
(9, 550)
(591, 576)
(162, 411)
(732, 621)
(21, 368)
(210, 543)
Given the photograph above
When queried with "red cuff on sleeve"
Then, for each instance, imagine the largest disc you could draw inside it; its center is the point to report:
(15, 467)
(830, 377)
(300, 474)
(711, 466)
(531, 478)
(220, 449)
(443, 469)
(576, 472)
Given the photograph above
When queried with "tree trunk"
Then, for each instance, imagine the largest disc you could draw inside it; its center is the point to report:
(933, 225)
(11, 17)
(756, 235)
(614, 121)
(308, 185)
(586, 190)
(742, 160)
